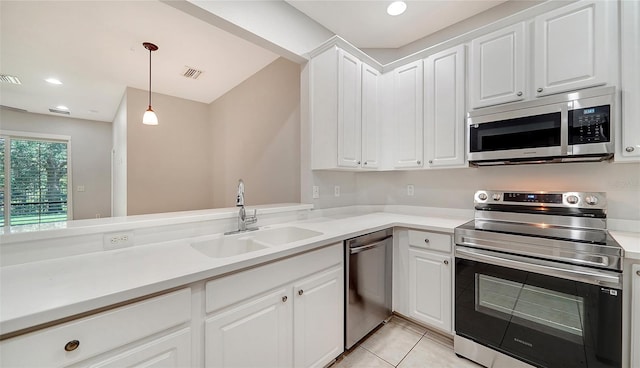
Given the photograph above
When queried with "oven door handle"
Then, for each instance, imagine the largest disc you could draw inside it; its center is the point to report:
(571, 272)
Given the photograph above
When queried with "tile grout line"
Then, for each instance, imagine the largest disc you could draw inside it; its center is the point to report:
(410, 350)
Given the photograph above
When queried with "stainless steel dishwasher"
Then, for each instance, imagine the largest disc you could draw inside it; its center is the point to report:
(368, 275)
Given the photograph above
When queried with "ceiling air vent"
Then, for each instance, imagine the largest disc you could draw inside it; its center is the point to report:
(56, 111)
(10, 79)
(191, 73)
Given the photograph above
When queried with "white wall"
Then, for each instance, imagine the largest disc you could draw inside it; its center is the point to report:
(168, 164)
(255, 137)
(90, 156)
(119, 161)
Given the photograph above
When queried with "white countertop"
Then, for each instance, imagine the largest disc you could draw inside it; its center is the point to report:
(630, 242)
(40, 292)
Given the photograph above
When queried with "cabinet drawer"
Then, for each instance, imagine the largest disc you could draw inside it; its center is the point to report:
(427, 240)
(96, 334)
(225, 291)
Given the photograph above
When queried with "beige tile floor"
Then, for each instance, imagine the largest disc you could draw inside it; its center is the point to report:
(403, 344)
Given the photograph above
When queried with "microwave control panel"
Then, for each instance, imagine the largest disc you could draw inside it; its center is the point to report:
(590, 125)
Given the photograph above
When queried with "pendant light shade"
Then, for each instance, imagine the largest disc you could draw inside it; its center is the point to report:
(150, 117)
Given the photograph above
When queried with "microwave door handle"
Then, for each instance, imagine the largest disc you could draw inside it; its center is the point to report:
(564, 128)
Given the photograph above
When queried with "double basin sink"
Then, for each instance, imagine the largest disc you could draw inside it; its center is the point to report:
(222, 246)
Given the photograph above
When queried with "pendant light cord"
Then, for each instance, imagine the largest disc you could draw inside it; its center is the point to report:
(149, 78)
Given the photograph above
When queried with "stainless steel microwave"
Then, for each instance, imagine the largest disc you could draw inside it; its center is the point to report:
(572, 127)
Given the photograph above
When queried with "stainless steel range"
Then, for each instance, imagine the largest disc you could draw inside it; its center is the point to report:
(538, 281)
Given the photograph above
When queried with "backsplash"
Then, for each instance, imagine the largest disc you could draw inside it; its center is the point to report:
(454, 188)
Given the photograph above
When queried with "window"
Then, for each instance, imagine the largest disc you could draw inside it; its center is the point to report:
(35, 179)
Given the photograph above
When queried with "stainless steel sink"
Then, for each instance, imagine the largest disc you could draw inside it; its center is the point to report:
(222, 246)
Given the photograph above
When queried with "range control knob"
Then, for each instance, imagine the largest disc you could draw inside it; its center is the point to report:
(496, 197)
(572, 199)
(591, 200)
(482, 196)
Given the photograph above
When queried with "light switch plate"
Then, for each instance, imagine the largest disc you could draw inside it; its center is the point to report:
(316, 191)
(410, 190)
(336, 191)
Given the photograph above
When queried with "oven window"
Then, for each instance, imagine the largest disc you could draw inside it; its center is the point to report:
(544, 310)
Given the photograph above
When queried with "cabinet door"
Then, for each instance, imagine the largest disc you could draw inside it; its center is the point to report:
(430, 288)
(171, 351)
(569, 48)
(498, 67)
(630, 62)
(407, 102)
(349, 110)
(318, 319)
(444, 108)
(635, 316)
(370, 118)
(255, 333)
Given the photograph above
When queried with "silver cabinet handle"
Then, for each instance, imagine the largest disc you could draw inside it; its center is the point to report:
(300, 292)
(446, 262)
(71, 345)
(539, 90)
(284, 298)
(629, 149)
(426, 240)
(520, 93)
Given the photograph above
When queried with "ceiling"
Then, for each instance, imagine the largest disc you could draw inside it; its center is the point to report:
(95, 47)
(366, 24)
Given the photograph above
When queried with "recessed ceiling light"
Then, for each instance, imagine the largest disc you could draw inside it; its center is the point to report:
(62, 107)
(396, 8)
(53, 81)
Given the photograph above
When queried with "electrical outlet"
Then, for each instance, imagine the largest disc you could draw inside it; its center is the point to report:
(316, 191)
(80, 188)
(117, 240)
(336, 191)
(410, 190)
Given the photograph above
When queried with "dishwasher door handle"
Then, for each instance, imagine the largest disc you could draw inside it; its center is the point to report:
(362, 248)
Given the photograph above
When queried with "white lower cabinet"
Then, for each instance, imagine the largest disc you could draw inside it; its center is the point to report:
(254, 333)
(423, 274)
(298, 322)
(430, 288)
(152, 332)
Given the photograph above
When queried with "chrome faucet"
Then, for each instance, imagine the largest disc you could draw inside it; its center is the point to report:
(243, 219)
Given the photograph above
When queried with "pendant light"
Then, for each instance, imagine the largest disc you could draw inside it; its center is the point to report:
(150, 117)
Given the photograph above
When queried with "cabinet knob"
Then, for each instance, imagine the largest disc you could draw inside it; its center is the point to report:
(446, 262)
(539, 90)
(365, 162)
(520, 93)
(629, 149)
(426, 241)
(638, 273)
(284, 298)
(71, 345)
(358, 162)
(300, 292)
(418, 162)
(430, 161)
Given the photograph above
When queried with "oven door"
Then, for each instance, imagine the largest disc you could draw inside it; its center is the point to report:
(536, 132)
(546, 314)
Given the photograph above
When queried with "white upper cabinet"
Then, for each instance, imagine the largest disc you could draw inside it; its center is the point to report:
(569, 48)
(370, 117)
(344, 111)
(629, 148)
(349, 110)
(407, 116)
(497, 67)
(445, 108)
